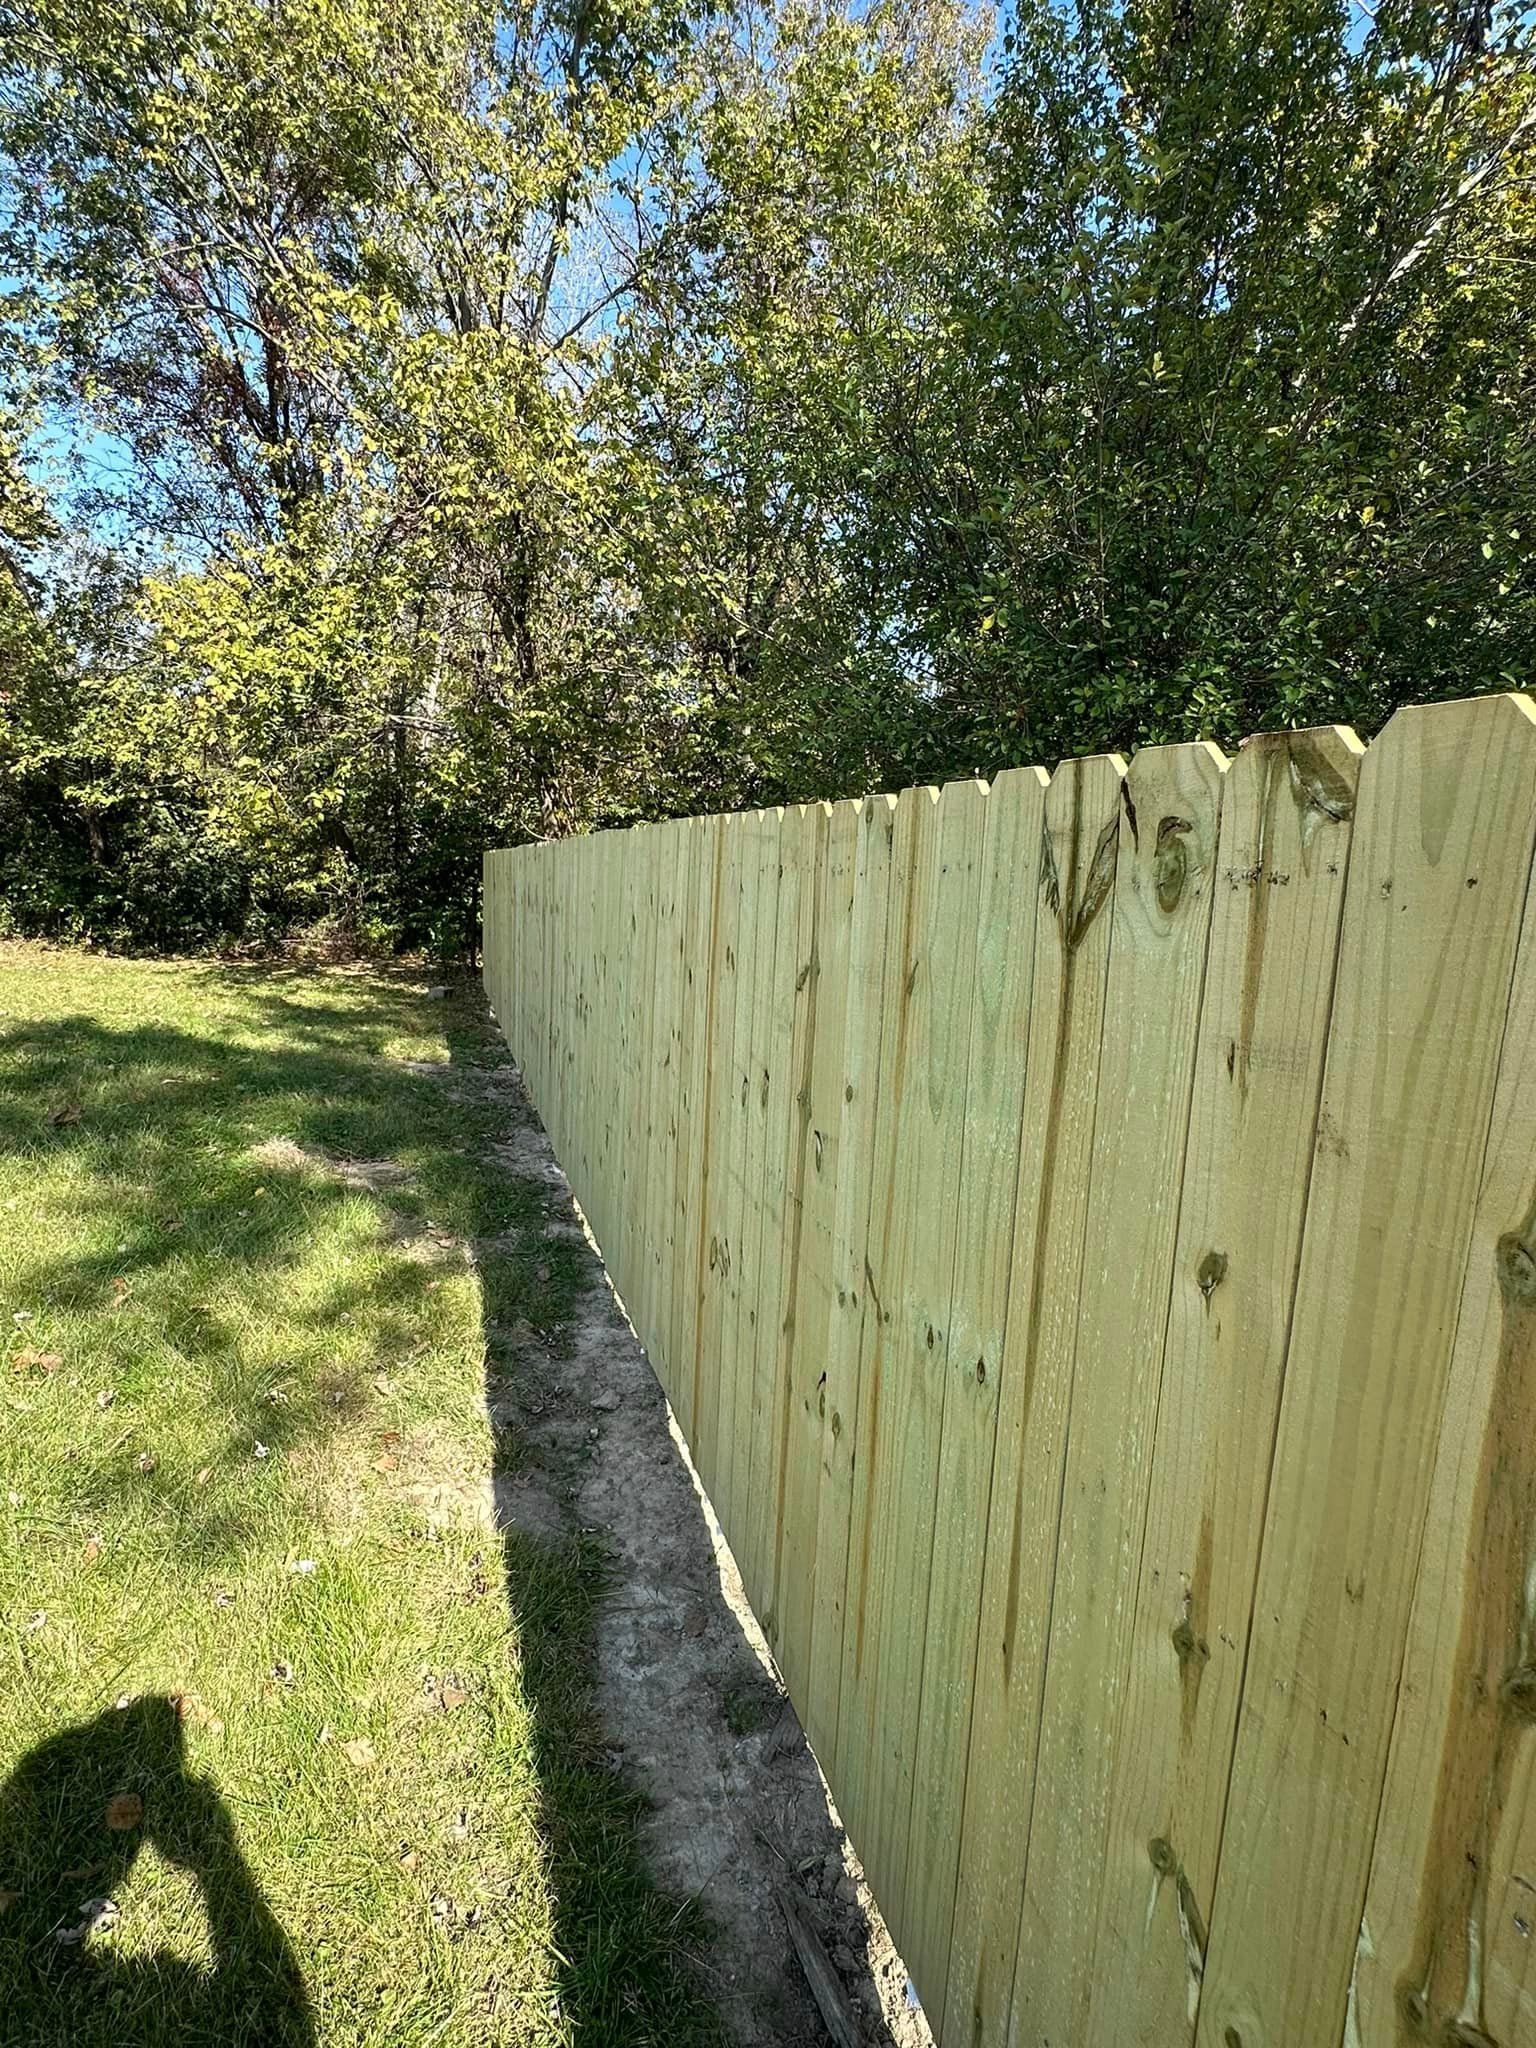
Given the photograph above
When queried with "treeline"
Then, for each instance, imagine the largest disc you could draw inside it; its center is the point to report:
(429, 426)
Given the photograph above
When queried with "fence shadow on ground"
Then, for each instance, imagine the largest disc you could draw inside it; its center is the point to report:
(624, 1952)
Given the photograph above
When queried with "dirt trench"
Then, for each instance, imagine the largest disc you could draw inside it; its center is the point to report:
(738, 1810)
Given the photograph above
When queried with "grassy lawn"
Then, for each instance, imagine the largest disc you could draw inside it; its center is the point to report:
(271, 1680)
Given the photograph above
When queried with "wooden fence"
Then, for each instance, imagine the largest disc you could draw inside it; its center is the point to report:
(1086, 1228)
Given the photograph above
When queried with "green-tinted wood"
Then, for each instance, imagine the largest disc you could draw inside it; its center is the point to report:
(1437, 884)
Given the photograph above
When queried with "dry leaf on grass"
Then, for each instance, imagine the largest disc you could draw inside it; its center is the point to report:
(451, 1697)
(124, 1810)
(205, 1475)
(189, 1707)
(388, 1462)
(66, 1113)
(360, 1753)
(29, 1359)
(92, 1550)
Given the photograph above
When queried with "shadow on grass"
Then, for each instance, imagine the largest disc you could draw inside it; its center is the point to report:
(74, 1815)
(159, 1128)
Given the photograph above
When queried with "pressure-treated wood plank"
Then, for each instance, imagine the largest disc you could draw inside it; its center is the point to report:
(811, 1303)
(771, 1110)
(736, 1192)
(1161, 910)
(722, 1111)
(666, 1072)
(794, 1018)
(1007, 896)
(1437, 882)
(697, 999)
(1072, 949)
(1281, 864)
(737, 1350)
(857, 1096)
(912, 1241)
(1445, 1950)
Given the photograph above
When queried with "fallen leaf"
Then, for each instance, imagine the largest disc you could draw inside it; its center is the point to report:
(28, 1359)
(124, 1810)
(66, 1113)
(147, 1461)
(121, 1289)
(383, 1384)
(360, 1752)
(191, 1707)
(388, 1463)
(36, 1621)
(105, 1399)
(390, 1440)
(205, 1475)
(451, 1697)
(92, 1550)
(407, 1858)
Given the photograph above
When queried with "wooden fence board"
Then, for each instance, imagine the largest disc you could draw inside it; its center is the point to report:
(732, 1364)
(1287, 808)
(810, 1302)
(1447, 1931)
(695, 1024)
(724, 1110)
(771, 1106)
(1160, 906)
(800, 849)
(911, 1258)
(1007, 897)
(1437, 883)
(1079, 845)
(856, 1086)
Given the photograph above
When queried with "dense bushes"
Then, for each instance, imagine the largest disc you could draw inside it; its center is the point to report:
(528, 417)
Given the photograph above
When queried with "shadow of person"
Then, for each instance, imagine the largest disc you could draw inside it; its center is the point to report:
(74, 1816)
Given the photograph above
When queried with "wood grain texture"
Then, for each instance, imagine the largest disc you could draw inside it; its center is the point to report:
(910, 1277)
(1008, 893)
(857, 1101)
(1436, 888)
(1447, 1931)
(1078, 851)
(786, 1017)
(803, 1295)
(1281, 863)
(1160, 909)
(1087, 1233)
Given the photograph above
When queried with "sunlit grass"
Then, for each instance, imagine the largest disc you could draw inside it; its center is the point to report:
(245, 1468)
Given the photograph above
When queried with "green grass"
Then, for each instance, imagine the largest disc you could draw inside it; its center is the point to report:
(244, 1489)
